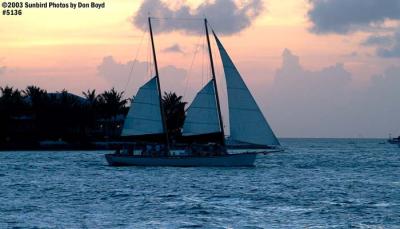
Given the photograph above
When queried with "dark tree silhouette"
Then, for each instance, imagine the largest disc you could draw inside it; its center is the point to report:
(38, 100)
(63, 115)
(12, 105)
(91, 97)
(91, 108)
(174, 109)
(112, 103)
(35, 93)
(34, 115)
(12, 99)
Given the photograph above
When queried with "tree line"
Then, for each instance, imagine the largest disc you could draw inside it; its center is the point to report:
(33, 115)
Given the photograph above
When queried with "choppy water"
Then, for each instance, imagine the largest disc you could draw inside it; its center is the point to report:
(314, 184)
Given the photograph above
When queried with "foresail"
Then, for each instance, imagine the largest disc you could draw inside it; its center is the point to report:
(144, 116)
(247, 123)
(202, 114)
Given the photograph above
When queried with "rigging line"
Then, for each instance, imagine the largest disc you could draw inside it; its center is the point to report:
(202, 63)
(147, 58)
(209, 74)
(212, 28)
(152, 64)
(191, 65)
(135, 60)
(149, 69)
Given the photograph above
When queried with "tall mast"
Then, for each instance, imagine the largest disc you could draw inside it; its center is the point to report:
(159, 88)
(215, 83)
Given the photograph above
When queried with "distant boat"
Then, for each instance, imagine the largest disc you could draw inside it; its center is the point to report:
(394, 140)
(250, 133)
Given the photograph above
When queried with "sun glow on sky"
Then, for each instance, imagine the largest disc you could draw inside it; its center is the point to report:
(79, 39)
(56, 34)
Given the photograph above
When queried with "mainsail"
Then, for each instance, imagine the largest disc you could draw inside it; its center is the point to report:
(144, 116)
(247, 123)
(202, 114)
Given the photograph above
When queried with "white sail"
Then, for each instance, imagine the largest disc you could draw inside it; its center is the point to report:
(247, 123)
(202, 114)
(144, 116)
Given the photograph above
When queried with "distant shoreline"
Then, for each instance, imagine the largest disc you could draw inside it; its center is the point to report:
(100, 146)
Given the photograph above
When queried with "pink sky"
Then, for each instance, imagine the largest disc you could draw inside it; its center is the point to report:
(94, 49)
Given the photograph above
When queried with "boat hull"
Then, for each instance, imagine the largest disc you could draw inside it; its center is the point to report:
(394, 141)
(229, 160)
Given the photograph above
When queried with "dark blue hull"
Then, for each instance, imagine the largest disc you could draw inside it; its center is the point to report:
(228, 160)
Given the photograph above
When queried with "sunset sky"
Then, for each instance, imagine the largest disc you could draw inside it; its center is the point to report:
(318, 68)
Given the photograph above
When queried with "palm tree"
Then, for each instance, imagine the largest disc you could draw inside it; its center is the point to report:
(12, 105)
(34, 92)
(112, 103)
(37, 99)
(174, 109)
(91, 97)
(91, 108)
(61, 116)
(12, 101)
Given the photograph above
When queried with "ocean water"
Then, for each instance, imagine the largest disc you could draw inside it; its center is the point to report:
(315, 183)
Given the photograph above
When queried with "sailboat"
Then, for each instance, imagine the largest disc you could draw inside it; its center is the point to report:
(394, 140)
(250, 133)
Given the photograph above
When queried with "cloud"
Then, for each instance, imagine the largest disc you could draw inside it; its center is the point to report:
(293, 72)
(226, 16)
(109, 73)
(309, 103)
(75, 79)
(378, 40)
(351, 54)
(131, 75)
(174, 48)
(345, 16)
(387, 83)
(387, 46)
(379, 101)
(325, 102)
(117, 74)
(2, 70)
(394, 49)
